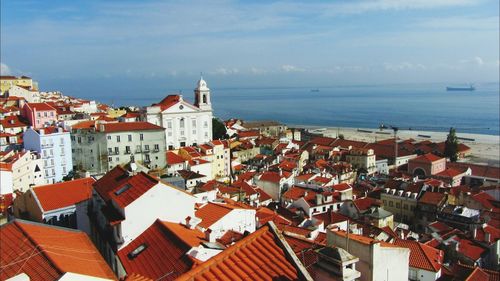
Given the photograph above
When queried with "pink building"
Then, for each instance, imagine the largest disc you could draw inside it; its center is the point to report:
(426, 165)
(39, 114)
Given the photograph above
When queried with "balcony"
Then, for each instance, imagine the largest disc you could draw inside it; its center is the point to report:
(47, 145)
(156, 150)
(128, 152)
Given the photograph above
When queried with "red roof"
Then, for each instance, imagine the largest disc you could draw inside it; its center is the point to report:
(41, 106)
(259, 256)
(365, 203)
(432, 198)
(422, 256)
(342, 187)
(46, 252)
(130, 126)
(118, 179)
(173, 158)
(270, 177)
(168, 101)
(478, 170)
(165, 253)
(212, 212)
(84, 125)
(427, 158)
(64, 194)
(12, 122)
(449, 173)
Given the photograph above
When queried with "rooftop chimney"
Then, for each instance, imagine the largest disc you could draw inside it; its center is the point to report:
(319, 199)
(209, 236)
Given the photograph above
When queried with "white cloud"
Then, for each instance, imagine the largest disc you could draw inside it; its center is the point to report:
(478, 60)
(5, 69)
(258, 71)
(225, 71)
(404, 66)
(291, 68)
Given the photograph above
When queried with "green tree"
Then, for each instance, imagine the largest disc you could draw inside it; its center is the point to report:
(218, 129)
(451, 146)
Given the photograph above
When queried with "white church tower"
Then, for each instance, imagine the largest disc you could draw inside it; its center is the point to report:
(202, 96)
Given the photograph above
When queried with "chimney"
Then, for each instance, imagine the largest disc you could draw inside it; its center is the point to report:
(41, 132)
(209, 236)
(474, 234)
(59, 130)
(319, 199)
(487, 237)
(188, 219)
(281, 172)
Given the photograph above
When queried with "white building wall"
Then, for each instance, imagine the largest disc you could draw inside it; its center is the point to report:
(239, 220)
(152, 205)
(425, 275)
(6, 182)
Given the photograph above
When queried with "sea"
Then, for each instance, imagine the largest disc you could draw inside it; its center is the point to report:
(426, 107)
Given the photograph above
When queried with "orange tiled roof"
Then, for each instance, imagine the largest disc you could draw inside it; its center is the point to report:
(64, 194)
(164, 253)
(259, 256)
(130, 126)
(432, 198)
(173, 158)
(428, 158)
(41, 106)
(212, 212)
(422, 256)
(46, 252)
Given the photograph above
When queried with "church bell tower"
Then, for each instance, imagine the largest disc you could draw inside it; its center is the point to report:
(202, 96)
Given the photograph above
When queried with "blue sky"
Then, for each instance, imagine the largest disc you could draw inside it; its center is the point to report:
(250, 43)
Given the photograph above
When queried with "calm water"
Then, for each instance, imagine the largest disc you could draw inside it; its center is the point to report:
(424, 107)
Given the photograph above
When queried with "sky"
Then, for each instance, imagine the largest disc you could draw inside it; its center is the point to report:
(121, 45)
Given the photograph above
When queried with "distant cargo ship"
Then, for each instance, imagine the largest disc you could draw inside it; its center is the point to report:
(469, 88)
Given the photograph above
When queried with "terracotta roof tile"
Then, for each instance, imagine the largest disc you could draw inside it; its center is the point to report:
(259, 256)
(41, 106)
(428, 158)
(64, 194)
(422, 256)
(432, 198)
(164, 255)
(212, 212)
(173, 158)
(46, 252)
(130, 126)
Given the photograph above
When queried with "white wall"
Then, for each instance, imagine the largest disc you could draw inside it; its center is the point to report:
(160, 202)
(239, 220)
(6, 182)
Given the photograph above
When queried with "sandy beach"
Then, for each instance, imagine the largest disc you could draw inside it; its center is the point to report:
(485, 148)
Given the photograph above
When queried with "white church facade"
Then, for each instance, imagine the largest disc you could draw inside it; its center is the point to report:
(185, 124)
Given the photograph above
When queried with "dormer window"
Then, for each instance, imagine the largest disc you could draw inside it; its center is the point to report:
(123, 189)
(137, 251)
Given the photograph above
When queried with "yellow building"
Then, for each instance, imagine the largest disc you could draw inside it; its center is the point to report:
(6, 82)
(115, 113)
(402, 204)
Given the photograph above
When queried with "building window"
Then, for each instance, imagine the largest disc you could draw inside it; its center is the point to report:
(405, 206)
(169, 134)
(129, 137)
(38, 114)
(398, 205)
(109, 137)
(157, 147)
(116, 150)
(169, 124)
(390, 204)
(110, 150)
(193, 123)
(141, 137)
(181, 123)
(45, 114)
(205, 124)
(194, 132)
(182, 133)
(127, 149)
(117, 138)
(170, 147)
(146, 147)
(110, 159)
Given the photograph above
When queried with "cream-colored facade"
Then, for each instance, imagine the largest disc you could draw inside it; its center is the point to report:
(98, 151)
(401, 204)
(27, 169)
(362, 159)
(6, 82)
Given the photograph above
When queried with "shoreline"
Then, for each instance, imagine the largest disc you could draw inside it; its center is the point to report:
(485, 149)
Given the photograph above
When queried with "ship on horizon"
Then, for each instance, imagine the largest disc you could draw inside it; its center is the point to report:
(469, 88)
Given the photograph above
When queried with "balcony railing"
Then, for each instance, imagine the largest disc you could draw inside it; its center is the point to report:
(47, 145)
